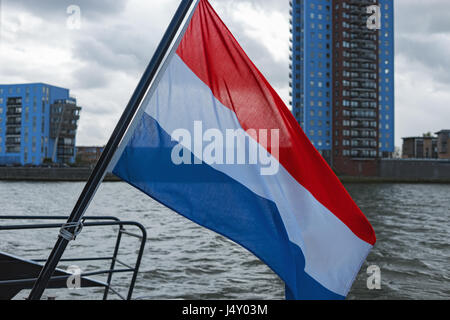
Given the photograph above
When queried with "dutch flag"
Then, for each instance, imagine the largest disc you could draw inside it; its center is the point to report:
(214, 142)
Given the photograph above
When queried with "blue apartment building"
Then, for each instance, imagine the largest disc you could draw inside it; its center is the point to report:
(342, 79)
(38, 123)
(311, 70)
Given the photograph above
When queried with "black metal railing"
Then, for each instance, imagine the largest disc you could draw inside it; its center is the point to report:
(100, 221)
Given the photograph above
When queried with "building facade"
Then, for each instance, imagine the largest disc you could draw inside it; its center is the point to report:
(38, 123)
(443, 144)
(342, 80)
(425, 147)
(88, 155)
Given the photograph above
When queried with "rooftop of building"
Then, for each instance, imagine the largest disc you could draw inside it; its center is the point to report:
(30, 84)
(420, 137)
(428, 135)
(86, 147)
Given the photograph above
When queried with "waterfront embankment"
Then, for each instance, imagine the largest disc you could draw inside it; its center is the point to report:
(48, 174)
(389, 171)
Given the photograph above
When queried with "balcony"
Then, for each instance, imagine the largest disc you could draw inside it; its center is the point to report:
(12, 122)
(364, 153)
(14, 111)
(13, 149)
(363, 133)
(364, 144)
(13, 131)
(14, 102)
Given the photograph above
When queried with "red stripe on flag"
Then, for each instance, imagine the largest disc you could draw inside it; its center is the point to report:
(209, 49)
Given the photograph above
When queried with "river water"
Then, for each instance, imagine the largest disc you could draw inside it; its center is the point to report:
(184, 261)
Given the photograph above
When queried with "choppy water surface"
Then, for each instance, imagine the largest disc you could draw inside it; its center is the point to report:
(184, 261)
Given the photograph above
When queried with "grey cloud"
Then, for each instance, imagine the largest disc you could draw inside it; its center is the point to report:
(429, 52)
(90, 76)
(422, 17)
(56, 9)
(94, 49)
(280, 5)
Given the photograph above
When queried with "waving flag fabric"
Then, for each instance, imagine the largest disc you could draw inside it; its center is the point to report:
(280, 200)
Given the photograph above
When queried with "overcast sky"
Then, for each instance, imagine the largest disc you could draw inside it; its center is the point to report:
(103, 61)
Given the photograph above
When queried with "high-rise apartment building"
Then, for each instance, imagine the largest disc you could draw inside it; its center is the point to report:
(38, 123)
(342, 80)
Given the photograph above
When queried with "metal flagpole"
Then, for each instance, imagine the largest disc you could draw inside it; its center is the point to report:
(73, 225)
